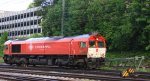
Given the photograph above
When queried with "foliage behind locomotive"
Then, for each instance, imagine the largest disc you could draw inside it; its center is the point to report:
(87, 50)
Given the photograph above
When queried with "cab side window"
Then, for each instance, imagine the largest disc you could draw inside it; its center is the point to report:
(82, 44)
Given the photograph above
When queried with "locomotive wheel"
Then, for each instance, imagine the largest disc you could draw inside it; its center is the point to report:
(7, 60)
(92, 64)
(18, 64)
(23, 62)
(10, 64)
(81, 65)
(34, 65)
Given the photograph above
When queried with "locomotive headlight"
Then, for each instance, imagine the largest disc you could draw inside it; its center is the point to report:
(96, 38)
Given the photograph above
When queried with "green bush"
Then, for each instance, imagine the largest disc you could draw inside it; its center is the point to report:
(3, 38)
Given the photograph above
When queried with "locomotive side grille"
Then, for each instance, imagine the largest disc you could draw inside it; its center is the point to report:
(16, 48)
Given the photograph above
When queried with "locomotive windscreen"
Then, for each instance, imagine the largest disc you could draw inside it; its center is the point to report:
(92, 44)
(16, 48)
(100, 44)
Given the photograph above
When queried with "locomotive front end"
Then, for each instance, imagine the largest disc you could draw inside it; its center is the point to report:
(97, 47)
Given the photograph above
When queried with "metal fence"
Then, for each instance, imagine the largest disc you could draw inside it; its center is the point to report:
(133, 62)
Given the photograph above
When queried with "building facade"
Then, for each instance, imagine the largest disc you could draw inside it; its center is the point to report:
(20, 23)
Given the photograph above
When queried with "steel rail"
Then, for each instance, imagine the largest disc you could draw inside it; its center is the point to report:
(71, 75)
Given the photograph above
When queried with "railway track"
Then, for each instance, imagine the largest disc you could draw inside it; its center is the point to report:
(18, 77)
(64, 74)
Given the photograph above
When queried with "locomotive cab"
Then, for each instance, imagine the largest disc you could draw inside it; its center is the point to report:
(97, 47)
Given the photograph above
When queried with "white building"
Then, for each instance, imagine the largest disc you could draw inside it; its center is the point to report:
(20, 23)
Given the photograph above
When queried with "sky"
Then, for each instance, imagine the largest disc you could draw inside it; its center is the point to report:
(14, 5)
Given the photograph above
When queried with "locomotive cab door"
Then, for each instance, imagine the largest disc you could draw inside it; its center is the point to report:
(72, 50)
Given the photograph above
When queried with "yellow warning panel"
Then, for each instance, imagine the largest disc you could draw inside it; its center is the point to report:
(124, 74)
(130, 70)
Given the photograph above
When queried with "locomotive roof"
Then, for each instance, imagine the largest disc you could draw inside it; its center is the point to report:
(80, 36)
(51, 38)
(58, 37)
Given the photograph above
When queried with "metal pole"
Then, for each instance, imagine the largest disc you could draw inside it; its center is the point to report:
(62, 20)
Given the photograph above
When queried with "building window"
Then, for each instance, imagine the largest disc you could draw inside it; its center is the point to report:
(7, 26)
(12, 17)
(28, 15)
(39, 21)
(31, 14)
(25, 32)
(10, 33)
(15, 25)
(21, 16)
(35, 22)
(21, 32)
(7, 18)
(18, 16)
(15, 17)
(25, 15)
(28, 23)
(18, 32)
(18, 24)
(39, 30)
(2, 26)
(25, 24)
(0, 20)
(35, 13)
(21, 24)
(31, 31)
(28, 31)
(15, 33)
(10, 25)
(35, 31)
(31, 22)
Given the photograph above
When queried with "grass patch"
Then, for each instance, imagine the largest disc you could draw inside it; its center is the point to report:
(1, 60)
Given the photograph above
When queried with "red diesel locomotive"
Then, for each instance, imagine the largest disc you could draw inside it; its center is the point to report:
(83, 50)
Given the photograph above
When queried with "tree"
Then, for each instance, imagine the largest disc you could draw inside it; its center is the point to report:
(139, 18)
(124, 23)
(31, 5)
(3, 39)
